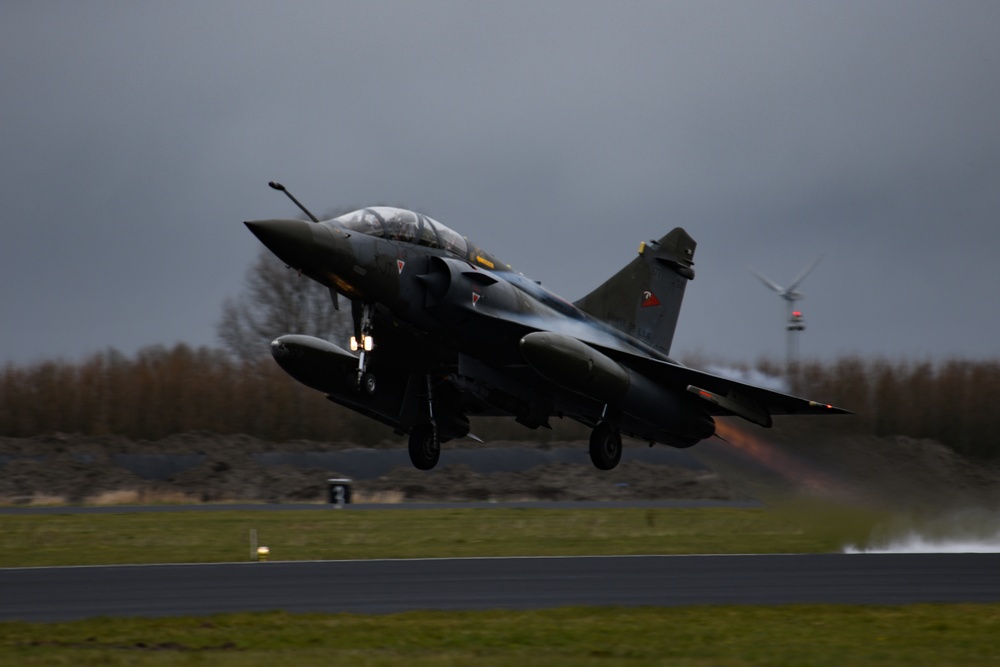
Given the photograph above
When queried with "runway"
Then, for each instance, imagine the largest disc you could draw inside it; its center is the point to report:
(384, 586)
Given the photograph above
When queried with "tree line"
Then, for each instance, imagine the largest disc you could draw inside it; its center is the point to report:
(949, 401)
(238, 388)
(161, 391)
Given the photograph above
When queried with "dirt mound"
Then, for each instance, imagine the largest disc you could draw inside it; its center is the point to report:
(558, 481)
(210, 467)
(62, 478)
(898, 472)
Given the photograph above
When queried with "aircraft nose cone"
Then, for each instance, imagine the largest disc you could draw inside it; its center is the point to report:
(290, 240)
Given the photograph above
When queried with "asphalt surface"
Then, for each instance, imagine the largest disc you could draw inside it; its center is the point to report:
(63, 593)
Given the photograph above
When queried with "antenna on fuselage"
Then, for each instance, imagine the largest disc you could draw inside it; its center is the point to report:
(281, 188)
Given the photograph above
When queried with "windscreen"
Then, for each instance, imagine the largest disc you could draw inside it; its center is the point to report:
(399, 224)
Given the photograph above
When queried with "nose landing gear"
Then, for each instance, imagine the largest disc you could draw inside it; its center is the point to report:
(368, 383)
(363, 342)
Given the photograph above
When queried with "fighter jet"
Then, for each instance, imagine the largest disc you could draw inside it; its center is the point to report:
(444, 330)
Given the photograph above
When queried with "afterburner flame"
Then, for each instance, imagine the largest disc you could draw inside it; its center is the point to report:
(797, 471)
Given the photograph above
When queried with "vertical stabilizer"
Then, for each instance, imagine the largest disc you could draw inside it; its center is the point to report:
(644, 299)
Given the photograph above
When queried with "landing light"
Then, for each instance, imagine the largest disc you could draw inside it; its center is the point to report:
(367, 342)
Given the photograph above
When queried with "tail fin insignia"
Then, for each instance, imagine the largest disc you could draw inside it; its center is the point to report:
(644, 298)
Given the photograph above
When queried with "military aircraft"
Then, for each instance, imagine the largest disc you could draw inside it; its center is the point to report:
(444, 330)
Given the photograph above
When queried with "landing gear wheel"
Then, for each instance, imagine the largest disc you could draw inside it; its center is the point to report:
(425, 448)
(368, 383)
(605, 446)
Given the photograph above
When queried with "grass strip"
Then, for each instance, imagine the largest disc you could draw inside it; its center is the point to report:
(735, 636)
(94, 539)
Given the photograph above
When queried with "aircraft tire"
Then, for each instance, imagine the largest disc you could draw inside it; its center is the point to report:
(425, 448)
(605, 446)
(368, 383)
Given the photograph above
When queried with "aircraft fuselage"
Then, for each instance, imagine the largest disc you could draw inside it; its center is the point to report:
(444, 330)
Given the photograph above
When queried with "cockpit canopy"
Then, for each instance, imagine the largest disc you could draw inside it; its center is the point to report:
(398, 224)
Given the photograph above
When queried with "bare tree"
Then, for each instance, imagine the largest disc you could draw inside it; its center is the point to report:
(277, 300)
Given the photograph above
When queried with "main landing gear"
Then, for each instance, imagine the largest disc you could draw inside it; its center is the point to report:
(425, 443)
(605, 446)
(425, 448)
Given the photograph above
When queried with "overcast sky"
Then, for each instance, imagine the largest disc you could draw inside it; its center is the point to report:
(137, 136)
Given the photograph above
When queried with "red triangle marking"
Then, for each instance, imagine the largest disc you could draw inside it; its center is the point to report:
(400, 264)
(649, 299)
(475, 298)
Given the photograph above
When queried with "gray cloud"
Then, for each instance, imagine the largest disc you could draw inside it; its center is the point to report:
(136, 138)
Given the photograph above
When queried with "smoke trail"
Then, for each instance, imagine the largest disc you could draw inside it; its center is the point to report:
(830, 505)
(873, 496)
(750, 376)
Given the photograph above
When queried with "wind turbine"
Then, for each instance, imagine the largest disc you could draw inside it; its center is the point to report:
(795, 324)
